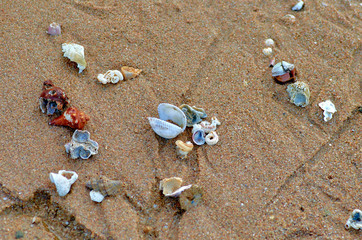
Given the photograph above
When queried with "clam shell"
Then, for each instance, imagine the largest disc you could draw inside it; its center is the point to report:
(198, 137)
(166, 129)
(105, 186)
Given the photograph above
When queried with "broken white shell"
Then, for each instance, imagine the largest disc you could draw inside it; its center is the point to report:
(267, 51)
(212, 138)
(62, 183)
(328, 108)
(206, 126)
(355, 220)
(184, 148)
(298, 6)
(269, 42)
(171, 187)
(111, 76)
(96, 196)
(166, 129)
(299, 93)
(75, 53)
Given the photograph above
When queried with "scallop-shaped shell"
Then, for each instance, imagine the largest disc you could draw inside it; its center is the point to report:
(75, 53)
(105, 186)
(299, 93)
(193, 114)
(111, 76)
(166, 129)
(191, 197)
(355, 220)
(198, 137)
(130, 72)
(299, 6)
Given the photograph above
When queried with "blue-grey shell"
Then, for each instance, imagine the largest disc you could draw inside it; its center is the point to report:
(198, 137)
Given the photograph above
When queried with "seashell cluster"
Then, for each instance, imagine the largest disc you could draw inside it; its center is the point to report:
(114, 76)
(299, 6)
(355, 220)
(54, 29)
(72, 118)
(75, 53)
(199, 132)
(299, 93)
(102, 187)
(53, 99)
(328, 108)
(183, 148)
(171, 187)
(193, 114)
(81, 145)
(161, 126)
(284, 72)
(190, 197)
(62, 183)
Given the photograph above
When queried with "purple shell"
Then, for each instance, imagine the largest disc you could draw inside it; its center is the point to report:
(54, 29)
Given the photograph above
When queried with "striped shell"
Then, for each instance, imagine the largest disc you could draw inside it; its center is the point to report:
(105, 186)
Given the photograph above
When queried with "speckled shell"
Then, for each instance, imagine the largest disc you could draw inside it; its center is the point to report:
(75, 53)
(53, 99)
(72, 117)
(105, 186)
(190, 197)
(299, 93)
(166, 129)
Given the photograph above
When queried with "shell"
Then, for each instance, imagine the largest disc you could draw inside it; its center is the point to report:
(289, 19)
(284, 72)
(267, 51)
(190, 197)
(52, 99)
(62, 183)
(184, 148)
(171, 187)
(198, 137)
(166, 129)
(299, 6)
(130, 72)
(75, 53)
(329, 109)
(72, 117)
(54, 29)
(105, 186)
(299, 93)
(111, 76)
(81, 145)
(212, 138)
(193, 114)
(206, 126)
(269, 42)
(96, 196)
(355, 220)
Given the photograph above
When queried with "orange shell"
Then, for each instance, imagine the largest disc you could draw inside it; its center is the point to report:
(72, 117)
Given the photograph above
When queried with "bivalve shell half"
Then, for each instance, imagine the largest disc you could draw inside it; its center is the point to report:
(168, 112)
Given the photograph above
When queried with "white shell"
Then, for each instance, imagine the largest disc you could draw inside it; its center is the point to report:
(96, 196)
(269, 42)
(298, 6)
(111, 76)
(267, 51)
(171, 187)
(75, 53)
(354, 221)
(328, 108)
(212, 138)
(281, 68)
(62, 183)
(166, 129)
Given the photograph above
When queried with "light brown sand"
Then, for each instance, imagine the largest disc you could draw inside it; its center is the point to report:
(278, 171)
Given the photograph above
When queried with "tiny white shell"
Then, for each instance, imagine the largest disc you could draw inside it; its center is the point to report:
(269, 42)
(328, 108)
(96, 196)
(212, 138)
(75, 53)
(298, 6)
(267, 51)
(62, 183)
(111, 76)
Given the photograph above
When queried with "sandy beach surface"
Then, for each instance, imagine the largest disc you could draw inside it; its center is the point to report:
(278, 171)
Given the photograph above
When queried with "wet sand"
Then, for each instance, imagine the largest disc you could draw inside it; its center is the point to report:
(278, 172)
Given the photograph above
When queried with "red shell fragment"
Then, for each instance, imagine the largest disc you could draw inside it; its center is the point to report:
(52, 99)
(72, 117)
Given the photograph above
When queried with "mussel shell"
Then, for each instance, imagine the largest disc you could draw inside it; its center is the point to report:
(105, 186)
(198, 137)
(168, 111)
(165, 129)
